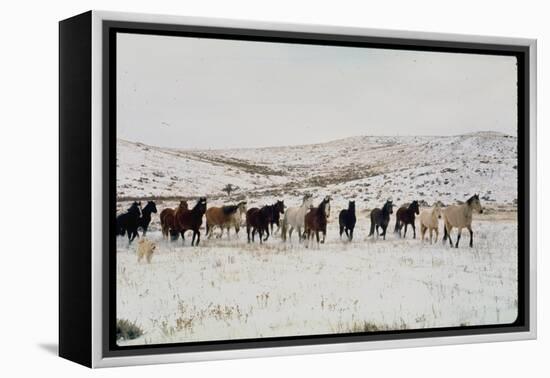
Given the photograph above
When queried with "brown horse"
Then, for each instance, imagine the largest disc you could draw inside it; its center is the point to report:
(258, 220)
(167, 217)
(460, 216)
(316, 220)
(224, 217)
(405, 215)
(185, 220)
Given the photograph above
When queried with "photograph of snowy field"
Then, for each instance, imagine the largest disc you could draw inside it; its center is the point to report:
(221, 144)
(227, 288)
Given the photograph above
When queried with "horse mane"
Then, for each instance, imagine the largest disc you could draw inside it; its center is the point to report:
(229, 209)
(471, 199)
(387, 207)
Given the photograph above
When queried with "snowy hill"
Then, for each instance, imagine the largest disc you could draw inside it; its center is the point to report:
(367, 169)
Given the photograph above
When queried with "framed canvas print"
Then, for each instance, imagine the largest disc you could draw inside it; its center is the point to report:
(234, 189)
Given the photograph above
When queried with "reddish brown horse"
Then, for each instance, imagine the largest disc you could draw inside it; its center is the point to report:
(185, 220)
(258, 220)
(405, 216)
(316, 220)
(167, 217)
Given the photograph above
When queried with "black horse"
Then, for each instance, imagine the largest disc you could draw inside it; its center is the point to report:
(381, 218)
(276, 210)
(145, 218)
(405, 215)
(128, 222)
(347, 220)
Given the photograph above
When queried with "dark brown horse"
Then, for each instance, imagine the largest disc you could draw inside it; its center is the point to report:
(258, 220)
(316, 220)
(276, 209)
(167, 217)
(406, 215)
(380, 218)
(190, 220)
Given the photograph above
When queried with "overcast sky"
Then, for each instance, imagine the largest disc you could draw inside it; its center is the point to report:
(207, 93)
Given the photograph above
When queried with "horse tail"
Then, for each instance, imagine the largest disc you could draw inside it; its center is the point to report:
(371, 225)
(396, 230)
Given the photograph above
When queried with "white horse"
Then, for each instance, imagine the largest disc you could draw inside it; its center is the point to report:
(429, 220)
(294, 218)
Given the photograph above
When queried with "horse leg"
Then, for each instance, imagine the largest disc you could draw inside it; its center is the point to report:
(384, 228)
(448, 231)
(422, 232)
(342, 231)
(458, 237)
(317, 236)
(324, 235)
(471, 236)
(261, 234)
(405, 233)
(377, 233)
(436, 230)
(414, 230)
(350, 234)
(267, 233)
(198, 237)
(145, 230)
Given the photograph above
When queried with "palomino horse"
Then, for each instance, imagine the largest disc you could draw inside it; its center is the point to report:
(429, 220)
(347, 220)
(190, 220)
(294, 218)
(128, 222)
(381, 218)
(224, 217)
(258, 220)
(404, 216)
(460, 216)
(276, 209)
(167, 217)
(145, 219)
(316, 220)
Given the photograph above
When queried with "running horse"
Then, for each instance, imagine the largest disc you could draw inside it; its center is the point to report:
(167, 217)
(224, 217)
(315, 221)
(404, 216)
(460, 216)
(190, 220)
(381, 218)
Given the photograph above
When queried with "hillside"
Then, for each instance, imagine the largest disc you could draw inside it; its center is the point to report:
(369, 169)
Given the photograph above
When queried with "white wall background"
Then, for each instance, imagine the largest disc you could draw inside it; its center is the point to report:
(28, 156)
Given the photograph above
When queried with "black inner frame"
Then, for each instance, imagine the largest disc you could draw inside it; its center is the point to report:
(109, 31)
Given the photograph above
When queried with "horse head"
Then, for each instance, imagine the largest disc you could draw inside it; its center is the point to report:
(280, 206)
(388, 207)
(414, 206)
(242, 207)
(183, 205)
(474, 203)
(351, 206)
(151, 207)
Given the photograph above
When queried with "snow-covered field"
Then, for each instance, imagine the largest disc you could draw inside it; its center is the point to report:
(228, 289)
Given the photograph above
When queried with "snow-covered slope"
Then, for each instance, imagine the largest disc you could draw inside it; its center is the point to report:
(367, 169)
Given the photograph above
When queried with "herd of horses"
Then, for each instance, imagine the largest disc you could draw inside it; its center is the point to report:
(307, 220)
